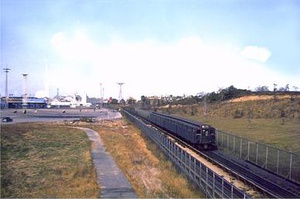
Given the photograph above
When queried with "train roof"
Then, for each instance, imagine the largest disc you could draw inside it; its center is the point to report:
(193, 122)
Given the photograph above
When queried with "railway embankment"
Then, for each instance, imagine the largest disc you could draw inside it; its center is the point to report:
(213, 184)
(234, 168)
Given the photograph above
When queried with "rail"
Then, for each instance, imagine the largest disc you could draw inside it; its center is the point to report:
(267, 186)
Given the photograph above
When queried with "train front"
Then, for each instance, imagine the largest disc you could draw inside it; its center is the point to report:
(208, 137)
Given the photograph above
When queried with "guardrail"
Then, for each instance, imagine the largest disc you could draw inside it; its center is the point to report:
(214, 185)
(283, 163)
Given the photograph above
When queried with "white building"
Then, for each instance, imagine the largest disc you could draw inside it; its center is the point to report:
(71, 101)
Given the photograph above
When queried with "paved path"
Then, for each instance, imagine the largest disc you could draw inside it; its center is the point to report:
(112, 182)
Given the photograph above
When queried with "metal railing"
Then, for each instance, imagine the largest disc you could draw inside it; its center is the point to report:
(283, 163)
(214, 185)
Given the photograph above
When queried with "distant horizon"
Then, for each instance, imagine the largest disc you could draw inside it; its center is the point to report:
(278, 90)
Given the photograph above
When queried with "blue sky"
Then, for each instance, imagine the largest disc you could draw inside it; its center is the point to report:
(159, 47)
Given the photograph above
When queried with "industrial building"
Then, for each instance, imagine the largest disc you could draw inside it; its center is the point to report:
(70, 101)
(18, 102)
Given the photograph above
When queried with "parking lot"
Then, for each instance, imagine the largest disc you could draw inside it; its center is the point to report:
(44, 115)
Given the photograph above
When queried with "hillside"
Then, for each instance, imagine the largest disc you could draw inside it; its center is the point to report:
(251, 106)
(275, 121)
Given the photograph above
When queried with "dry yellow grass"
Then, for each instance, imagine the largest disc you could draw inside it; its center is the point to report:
(149, 172)
(261, 97)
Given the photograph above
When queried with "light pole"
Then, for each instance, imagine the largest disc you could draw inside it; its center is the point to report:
(101, 98)
(6, 70)
(25, 90)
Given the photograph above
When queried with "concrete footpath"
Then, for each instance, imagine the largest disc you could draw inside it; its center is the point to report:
(110, 179)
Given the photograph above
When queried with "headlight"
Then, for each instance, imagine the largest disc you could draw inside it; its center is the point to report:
(205, 126)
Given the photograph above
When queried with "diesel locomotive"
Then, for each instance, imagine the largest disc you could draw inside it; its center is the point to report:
(199, 135)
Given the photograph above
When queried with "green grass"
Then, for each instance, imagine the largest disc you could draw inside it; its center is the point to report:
(46, 160)
(269, 131)
(265, 124)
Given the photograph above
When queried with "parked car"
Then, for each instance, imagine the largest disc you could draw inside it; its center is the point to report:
(7, 119)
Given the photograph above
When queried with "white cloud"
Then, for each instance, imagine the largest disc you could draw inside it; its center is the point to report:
(256, 53)
(187, 66)
(74, 45)
(57, 39)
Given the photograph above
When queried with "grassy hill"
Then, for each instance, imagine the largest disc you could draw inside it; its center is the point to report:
(274, 120)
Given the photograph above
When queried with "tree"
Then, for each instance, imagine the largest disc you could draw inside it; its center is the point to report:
(213, 97)
(262, 89)
(131, 101)
(145, 100)
(275, 89)
(287, 88)
(114, 101)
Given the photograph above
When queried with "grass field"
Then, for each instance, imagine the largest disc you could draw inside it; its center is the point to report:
(269, 131)
(276, 123)
(46, 161)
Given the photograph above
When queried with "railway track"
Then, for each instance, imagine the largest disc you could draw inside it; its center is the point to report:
(267, 187)
(270, 188)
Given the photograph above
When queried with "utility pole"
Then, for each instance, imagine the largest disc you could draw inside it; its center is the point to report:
(25, 90)
(6, 70)
(101, 96)
(120, 92)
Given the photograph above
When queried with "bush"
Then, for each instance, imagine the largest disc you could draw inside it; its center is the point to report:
(238, 114)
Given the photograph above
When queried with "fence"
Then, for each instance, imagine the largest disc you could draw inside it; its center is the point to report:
(214, 185)
(281, 162)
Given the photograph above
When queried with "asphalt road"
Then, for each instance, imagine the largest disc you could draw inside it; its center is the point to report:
(50, 115)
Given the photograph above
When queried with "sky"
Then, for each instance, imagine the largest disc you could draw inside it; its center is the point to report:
(154, 47)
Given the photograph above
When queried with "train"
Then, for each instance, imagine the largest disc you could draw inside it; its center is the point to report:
(199, 135)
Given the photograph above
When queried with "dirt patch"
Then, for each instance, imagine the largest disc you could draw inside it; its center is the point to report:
(150, 178)
(261, 97)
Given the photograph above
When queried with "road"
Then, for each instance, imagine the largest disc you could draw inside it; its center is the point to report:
(50, 115)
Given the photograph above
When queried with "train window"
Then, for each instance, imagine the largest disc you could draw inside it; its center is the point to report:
(191, 130)
(204, 132)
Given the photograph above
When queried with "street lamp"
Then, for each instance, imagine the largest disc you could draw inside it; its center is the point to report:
(6, 70)
(100, 105)
(25, 90)
(101, 96)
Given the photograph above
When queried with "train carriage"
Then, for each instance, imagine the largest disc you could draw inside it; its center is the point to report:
(199, 135)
